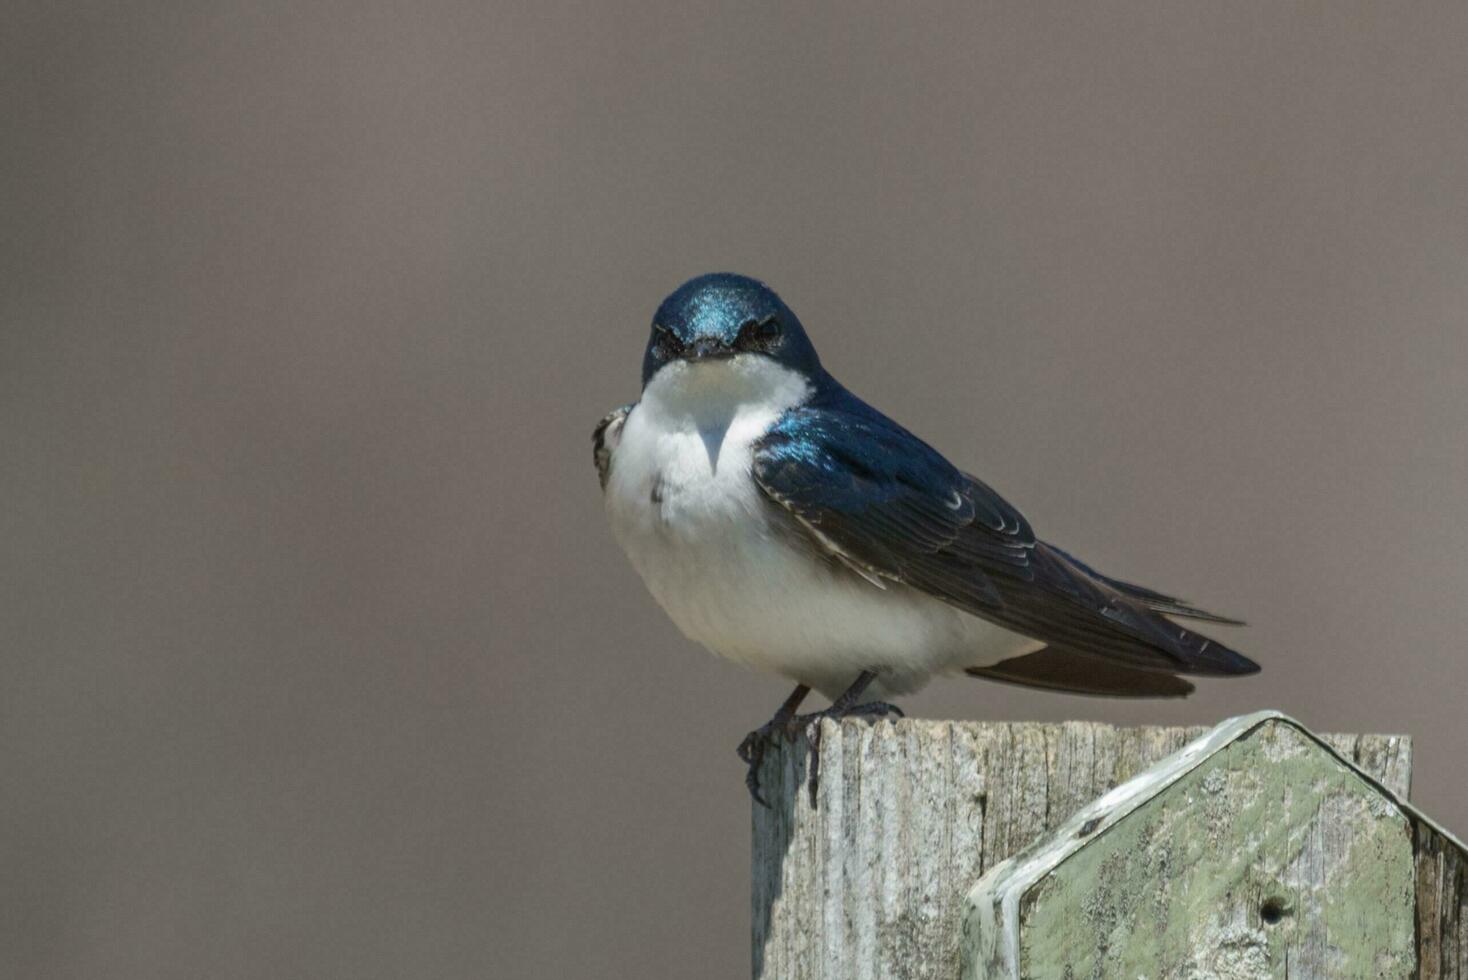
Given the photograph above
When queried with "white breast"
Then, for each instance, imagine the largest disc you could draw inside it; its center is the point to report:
(708, 544)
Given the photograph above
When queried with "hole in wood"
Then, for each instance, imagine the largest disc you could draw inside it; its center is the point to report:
(1273, 910)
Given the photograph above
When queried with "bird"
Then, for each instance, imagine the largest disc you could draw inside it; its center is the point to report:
(788, 526)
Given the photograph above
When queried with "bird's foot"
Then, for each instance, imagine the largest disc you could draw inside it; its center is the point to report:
(752, 751)
(872, 710)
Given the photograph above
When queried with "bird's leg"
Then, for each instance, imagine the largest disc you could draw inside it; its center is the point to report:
(756, 743)
(845, 706)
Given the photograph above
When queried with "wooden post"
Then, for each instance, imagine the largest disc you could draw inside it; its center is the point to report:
(1256, 851)
(872, 881)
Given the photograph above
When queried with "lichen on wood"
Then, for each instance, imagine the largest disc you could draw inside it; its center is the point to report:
(1269, 859)
(871, 882)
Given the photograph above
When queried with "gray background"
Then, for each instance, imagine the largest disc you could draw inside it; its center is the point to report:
(319, 660)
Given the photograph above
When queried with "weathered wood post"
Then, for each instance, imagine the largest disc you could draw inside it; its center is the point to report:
(875, 879)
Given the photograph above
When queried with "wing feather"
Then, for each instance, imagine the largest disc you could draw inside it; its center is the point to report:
(604, 440)
(881, 501)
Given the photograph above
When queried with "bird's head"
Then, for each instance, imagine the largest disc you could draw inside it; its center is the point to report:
(721, 315)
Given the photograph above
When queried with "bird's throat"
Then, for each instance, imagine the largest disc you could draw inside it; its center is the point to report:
(713, 398)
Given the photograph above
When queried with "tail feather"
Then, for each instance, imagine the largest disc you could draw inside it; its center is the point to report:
(1055, 669)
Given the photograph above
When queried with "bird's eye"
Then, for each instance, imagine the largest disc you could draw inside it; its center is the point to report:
(665, 342)
(756, 334)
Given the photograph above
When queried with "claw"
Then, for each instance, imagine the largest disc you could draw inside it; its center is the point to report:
(875, 709)
(752, 753)
(870, 709)
(751, 783)
(786, 722)
(752, 750)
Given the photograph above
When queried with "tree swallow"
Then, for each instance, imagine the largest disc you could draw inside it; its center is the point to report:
(787, 525)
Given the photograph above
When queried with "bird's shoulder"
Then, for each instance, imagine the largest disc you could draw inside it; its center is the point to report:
(881, 498)
(852, 456)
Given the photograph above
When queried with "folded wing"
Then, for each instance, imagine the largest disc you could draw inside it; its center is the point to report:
(882, 501)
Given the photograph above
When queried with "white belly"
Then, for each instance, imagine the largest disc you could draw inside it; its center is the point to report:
(684, 506)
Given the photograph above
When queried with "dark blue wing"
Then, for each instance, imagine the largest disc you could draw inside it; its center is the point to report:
(889, 505)
(885, 501)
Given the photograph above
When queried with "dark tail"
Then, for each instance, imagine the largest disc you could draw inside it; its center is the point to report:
(1053, 669)
(1075, 608)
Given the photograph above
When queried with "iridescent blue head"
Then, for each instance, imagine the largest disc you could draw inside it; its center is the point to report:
(722, 314)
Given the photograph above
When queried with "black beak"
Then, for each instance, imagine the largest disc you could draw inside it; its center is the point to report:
(707, 348)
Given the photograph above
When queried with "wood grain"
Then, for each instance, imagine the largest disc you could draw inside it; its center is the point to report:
(1442, 907)
(1256, 853)
(871, 881)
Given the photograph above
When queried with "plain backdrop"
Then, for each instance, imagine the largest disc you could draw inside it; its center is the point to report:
(318, 657)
